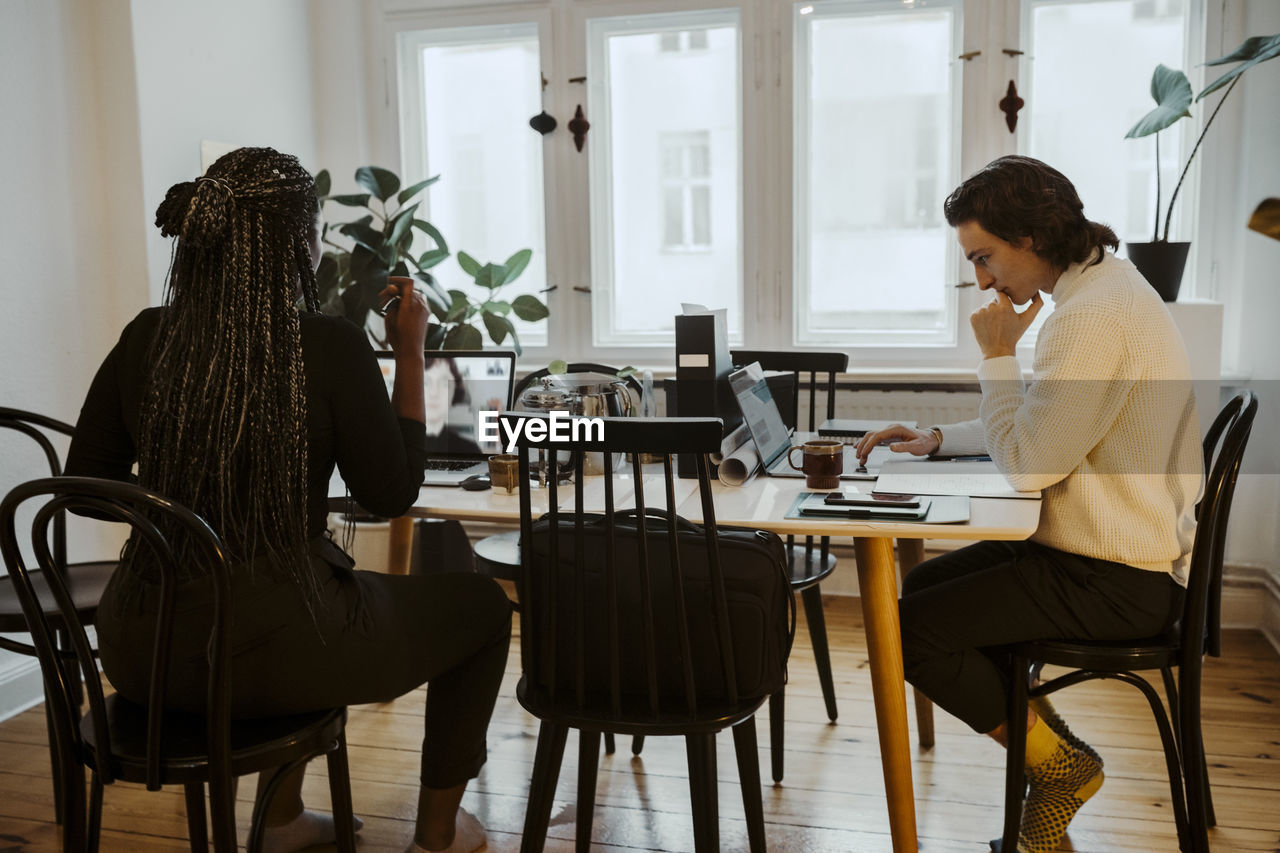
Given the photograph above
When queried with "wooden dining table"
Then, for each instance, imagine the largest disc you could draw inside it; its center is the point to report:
(764, 502)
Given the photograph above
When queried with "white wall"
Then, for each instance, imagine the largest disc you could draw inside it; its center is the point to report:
(74, 272)
(1243, 267)
(105, 103)
(240, 73)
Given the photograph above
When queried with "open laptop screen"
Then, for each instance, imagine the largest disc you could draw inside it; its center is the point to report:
(759, 410)
(457, 386)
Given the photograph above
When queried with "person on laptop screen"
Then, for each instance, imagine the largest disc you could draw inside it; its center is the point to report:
(445, 389)
(1107, 429)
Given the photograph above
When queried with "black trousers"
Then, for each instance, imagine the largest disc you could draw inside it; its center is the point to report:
(374, 637)
(956, 607)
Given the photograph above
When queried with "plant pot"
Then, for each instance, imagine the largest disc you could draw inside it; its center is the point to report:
(1161, 264)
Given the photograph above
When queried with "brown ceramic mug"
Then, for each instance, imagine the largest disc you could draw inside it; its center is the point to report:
(504, 471)
(822, 462)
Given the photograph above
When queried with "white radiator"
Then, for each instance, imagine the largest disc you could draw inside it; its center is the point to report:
(926, 408)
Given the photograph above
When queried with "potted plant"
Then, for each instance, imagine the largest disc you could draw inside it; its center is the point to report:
(350, 277)
(1160, 261)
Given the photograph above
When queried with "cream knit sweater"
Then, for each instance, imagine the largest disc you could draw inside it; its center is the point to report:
(1108, 427)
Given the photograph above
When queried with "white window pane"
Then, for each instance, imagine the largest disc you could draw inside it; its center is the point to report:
(698, 40)
(638, 283)
(700, 201)
(1081, 110)
(875, 99)
(673, 217)
(479, 86)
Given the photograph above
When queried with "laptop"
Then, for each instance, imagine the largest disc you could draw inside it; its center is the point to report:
(458, 385)
(773, 438)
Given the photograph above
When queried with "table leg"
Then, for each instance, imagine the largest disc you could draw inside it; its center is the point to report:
(878, 587)
(910, 555)
(400, 545)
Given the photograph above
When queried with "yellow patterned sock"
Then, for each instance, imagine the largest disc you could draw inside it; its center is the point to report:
(1061, 780)
(1044, 710)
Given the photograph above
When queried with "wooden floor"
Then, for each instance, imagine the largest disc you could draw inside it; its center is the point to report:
(831, 800)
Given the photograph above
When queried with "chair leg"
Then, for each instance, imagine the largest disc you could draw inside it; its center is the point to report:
(1175, 715)
(637, 744)
(1016, 755)
(222, 816)
(1194, 765)
(55, 763)
(703, 794)
(924, 719)
(744, 744)
(95, 812)
(777, 715)
(197, 828)
(812, 599)
(542, 787)
(340, 795)
(74, 819)
(588, 764)
(609, 746)
(261, 804)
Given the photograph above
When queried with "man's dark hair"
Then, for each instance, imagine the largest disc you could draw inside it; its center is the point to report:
(1014, 197)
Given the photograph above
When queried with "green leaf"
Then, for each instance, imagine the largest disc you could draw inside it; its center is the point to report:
(437, 297)
(625, 372)
(382, 183)
(529, 308)
(515, 342)
(516, 264)
(1172, 94)
(432, 257)
(327, 276)
(323, 182)
(491, 276)
(432, 232)
(464, 337)
(469, 264)
(499, 327)
(558, 365)
(361, 200)
(435, 336)
(1252, 52)
(459, 305)
(409, 192)
(363, 235)
(400, 225)
(497, 306)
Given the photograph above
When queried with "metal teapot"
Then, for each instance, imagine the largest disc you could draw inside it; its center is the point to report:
(594, 395)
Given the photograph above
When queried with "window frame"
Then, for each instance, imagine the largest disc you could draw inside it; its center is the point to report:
(767, 38)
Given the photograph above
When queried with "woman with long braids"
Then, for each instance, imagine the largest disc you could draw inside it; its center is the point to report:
(236, 404)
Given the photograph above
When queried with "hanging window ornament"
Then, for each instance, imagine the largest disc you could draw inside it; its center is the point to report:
(578, 126)
(1009, 105)
(543, 122)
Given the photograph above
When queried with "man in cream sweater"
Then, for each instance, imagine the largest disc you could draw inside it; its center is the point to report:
(1108, 430)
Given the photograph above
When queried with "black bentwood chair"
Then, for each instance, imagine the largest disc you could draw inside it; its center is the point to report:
(85, 581)
(809, 565)
(117, 739)
(1183, 646)
(638, 622)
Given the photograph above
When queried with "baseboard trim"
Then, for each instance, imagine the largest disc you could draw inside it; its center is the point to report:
(1251, 599)
(20, 688)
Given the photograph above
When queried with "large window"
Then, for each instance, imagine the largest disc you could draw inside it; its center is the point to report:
(876, 100)
(665, 119)
(467, 94)
(784, 159)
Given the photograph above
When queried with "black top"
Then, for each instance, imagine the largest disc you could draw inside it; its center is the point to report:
(350, 421)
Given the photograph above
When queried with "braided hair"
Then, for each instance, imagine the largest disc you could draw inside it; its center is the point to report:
(223, 417)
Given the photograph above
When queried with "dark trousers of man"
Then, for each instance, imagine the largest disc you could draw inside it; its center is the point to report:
(957, 607)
